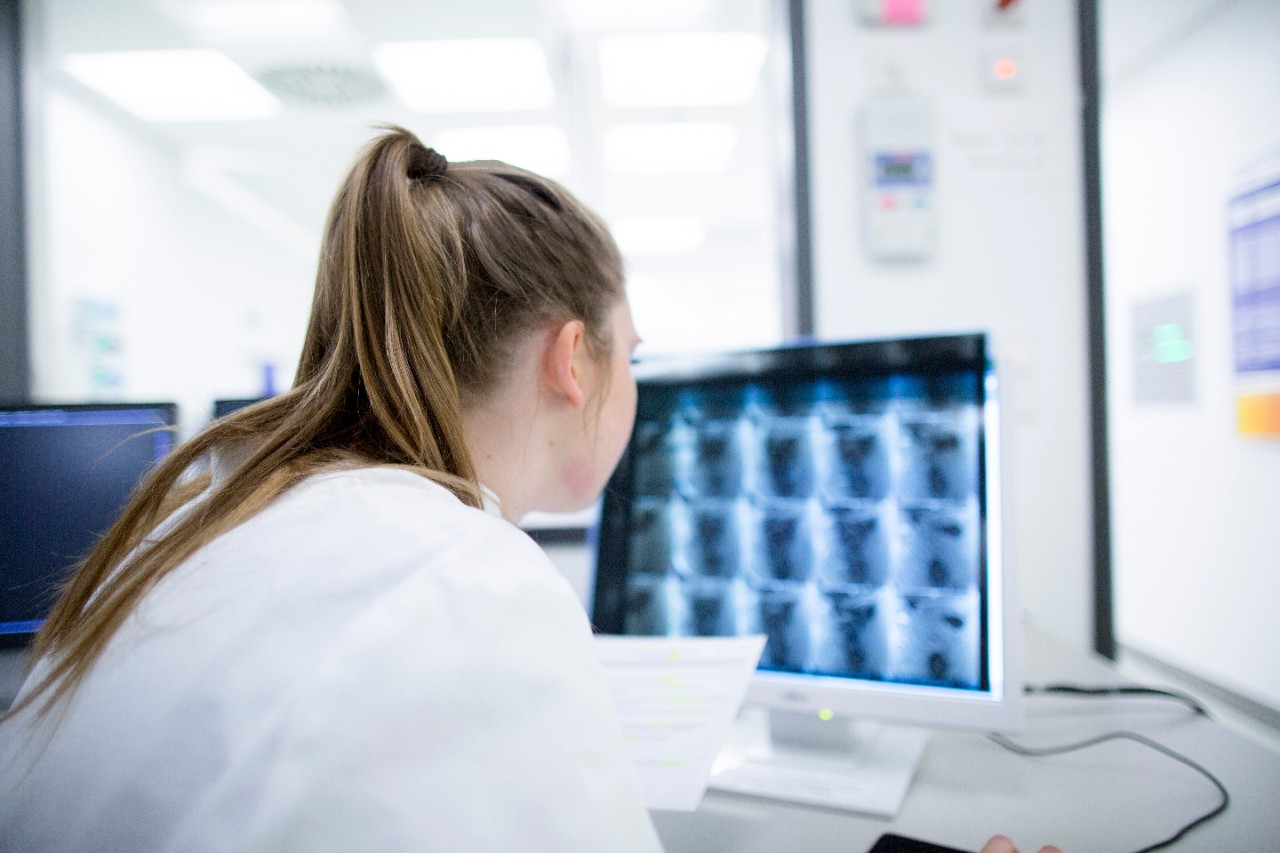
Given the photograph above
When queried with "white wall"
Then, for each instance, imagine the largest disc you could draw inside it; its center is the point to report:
(202, 300)
(1010, 249)
(1196, 505)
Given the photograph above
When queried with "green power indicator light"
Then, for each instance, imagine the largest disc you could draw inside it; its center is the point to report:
(1169, 344)
(826, 715)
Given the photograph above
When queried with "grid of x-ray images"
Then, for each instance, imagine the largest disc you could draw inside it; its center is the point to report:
(840, 520)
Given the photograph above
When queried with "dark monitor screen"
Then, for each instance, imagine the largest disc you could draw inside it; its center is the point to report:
(66, 471)
(224, 407)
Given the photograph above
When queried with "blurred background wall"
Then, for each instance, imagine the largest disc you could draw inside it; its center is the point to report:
(171, 255)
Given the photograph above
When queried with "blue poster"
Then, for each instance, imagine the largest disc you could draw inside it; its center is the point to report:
(1255, 278)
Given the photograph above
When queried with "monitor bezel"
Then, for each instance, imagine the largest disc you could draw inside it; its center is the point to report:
(997, 707)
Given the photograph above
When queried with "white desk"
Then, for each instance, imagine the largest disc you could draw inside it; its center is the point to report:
(1119, 796)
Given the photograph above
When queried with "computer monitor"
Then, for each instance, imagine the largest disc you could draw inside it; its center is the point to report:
(224, 407)
(66, 471)
(844, 501)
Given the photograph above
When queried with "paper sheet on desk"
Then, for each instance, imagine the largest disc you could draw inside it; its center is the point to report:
(677, 697)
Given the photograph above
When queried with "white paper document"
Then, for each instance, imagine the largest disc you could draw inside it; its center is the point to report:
(678, 698)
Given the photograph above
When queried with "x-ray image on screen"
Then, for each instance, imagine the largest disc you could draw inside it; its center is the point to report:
(856, 547)
(856, 637)
(858, 449)
(783, 541)
(839, 518)
(785, 461)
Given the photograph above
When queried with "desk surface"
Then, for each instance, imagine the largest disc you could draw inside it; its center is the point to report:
(1118, 796)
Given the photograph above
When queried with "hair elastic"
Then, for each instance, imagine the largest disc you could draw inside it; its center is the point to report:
(426, 163)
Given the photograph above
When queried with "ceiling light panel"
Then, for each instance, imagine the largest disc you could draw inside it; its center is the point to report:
(659, 235)
(681, 69)
(174, 85)
(467, 75)
(673, 148)
(543, 149)
(588, 15)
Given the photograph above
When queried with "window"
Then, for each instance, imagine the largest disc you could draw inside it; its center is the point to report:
(183, 156)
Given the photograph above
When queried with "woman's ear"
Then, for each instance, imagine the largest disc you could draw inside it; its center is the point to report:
(565, 360)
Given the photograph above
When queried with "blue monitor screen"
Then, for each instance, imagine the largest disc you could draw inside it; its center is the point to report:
(224, 407)
(830, 498)
(65, 473)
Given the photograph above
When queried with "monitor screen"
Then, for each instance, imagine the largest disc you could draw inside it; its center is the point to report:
(66, 471)
(840, 499)
(225, 407)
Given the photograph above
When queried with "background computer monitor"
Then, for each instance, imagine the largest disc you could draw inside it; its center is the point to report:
(227, 406)
(66, 471)
(844, 501)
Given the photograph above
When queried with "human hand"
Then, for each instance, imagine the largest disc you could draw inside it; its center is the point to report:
(1002, 844)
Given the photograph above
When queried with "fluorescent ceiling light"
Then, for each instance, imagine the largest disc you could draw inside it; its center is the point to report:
(659, 235)
(467, 75)
(652, 14)
(539, 148)
(174, 85)
(261, 20)
(681, 69)
(678, 148)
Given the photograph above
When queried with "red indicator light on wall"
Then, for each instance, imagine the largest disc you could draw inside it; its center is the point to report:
(1005, 68)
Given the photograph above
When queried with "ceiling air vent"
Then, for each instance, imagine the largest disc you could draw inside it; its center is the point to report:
(323, 84)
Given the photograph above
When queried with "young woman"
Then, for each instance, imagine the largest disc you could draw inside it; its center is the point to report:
(315, 627)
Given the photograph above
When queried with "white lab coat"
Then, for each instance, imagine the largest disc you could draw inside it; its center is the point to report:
(367, 664)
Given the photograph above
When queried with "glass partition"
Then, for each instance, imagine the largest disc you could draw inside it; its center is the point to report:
(182, 156)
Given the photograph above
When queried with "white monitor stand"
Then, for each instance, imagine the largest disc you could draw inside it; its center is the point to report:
(861, 766)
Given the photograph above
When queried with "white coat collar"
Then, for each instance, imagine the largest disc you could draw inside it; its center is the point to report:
(490, 501)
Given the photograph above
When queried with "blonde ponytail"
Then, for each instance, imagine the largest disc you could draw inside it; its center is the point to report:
(430, 275)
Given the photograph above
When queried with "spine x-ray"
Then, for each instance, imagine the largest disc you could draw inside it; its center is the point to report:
(842, 521)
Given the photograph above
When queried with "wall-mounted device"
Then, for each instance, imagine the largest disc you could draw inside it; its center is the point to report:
(899, 206)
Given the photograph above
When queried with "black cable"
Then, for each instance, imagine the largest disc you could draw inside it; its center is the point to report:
(1122, 690)
(1158, 747)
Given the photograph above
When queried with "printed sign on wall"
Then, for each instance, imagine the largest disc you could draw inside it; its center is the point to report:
(1254, 241)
